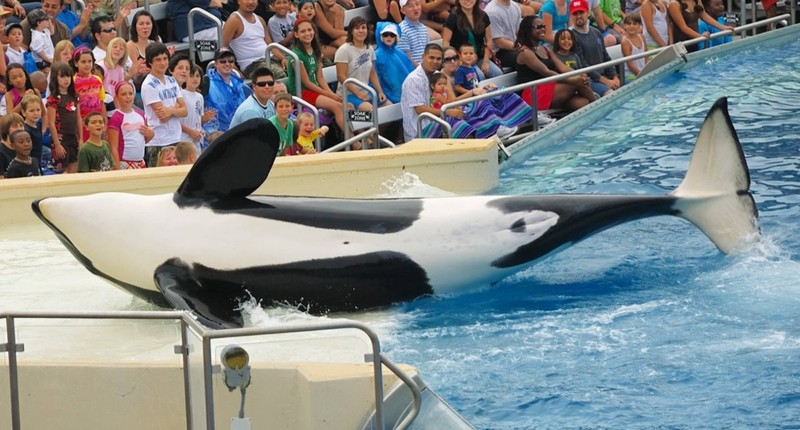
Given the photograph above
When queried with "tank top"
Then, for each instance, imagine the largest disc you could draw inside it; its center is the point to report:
(250, 45)
(635, 50)
(660, 24)
(691, 18)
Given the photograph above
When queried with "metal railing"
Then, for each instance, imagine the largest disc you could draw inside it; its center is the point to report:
(187, 323)
(206, 14)
(533, 84)
(447, 129)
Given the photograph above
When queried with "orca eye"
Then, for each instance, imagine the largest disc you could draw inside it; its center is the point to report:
(518, 226)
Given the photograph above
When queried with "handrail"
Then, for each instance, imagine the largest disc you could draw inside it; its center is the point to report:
(443, 122)
(206, 14)
(314, 113)
(375, 102)
(295, 59)
(188, 322)
(347, 142)
(562, 76)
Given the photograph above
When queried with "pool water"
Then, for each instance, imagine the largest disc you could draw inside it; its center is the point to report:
(645, 325)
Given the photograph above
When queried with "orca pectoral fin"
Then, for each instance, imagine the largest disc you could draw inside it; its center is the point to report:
(183, 292)
(235, 165)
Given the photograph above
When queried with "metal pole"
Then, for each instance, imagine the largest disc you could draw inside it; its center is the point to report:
(13, 381)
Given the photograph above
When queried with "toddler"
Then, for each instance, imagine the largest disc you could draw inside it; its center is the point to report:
(307, 133)
(41, 44)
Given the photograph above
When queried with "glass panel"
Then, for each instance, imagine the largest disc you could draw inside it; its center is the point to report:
(119, 374)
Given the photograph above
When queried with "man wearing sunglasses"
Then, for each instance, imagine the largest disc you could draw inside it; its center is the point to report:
(226, 90)
(259, 104)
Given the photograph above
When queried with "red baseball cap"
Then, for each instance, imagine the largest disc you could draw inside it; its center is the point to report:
(578, 6)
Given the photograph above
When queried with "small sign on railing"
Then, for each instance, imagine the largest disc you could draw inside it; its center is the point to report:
(206, 45)
(360, 116)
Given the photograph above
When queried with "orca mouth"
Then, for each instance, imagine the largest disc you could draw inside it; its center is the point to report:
(150, 296)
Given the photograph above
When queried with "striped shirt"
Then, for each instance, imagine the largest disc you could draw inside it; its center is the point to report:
(413, 39)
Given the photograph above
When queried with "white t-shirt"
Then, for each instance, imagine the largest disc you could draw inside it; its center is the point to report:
(168, 93)
(194, 105)
(133, 140)
(359, 61)
(41, 42)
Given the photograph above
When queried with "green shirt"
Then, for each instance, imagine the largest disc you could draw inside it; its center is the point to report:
(286, 134)
(310, 63)
(93, 158)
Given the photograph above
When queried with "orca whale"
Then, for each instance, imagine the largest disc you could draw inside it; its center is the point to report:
(212, 244)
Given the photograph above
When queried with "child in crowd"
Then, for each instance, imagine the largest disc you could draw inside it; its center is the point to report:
(88, 86)
(41, 44)
(715, 8)
(24, 163)
(185, 153)
(32, 112)
(415, 33)
(166, 157)
(127, 131)
(20, 84)
(3, 110)
(15, 51)
(281, 24)
(63, 52)
(306, 10)
(114, 65)
(459, 128)
(467, 76)
(391, 64)
(8, 124)
(565, 49)
(192, 124)
(306, 135)
(95, 153)
(64, 118)
(633, 43)
(283, 108)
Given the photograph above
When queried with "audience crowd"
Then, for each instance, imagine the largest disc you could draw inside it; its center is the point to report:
(98, 88)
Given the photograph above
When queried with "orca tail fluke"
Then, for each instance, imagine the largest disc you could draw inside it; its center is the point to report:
(715, 194)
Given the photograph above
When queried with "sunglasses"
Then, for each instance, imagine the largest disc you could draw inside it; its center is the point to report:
(392, 35)
(264, 83)
(452, 59)
(226, 61)
(540, 27)
(108, 30)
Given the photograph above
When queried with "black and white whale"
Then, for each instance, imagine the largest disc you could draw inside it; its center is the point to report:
(211, 244)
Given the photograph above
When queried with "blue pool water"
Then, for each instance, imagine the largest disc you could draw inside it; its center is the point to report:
(645, 325)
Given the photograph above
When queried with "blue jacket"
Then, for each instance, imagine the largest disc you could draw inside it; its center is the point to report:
(391, 65)
(224, 99)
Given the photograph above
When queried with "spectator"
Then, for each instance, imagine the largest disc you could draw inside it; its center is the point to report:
(415, 34)
(226, 91)
(204, 28)
(329, 18)
(144, 31)
(654, 16)
(8, 125)
(185, 153)
(24, 163)
(633, 43)
(15, 51)
(259, 104)
(555, 16)
(88, 86)
(591, 50)
(536, 61)
(95, 153)
(684, 16)
(716, 9)
(387, 10)
(127, 131)
(78, 25)
(354, 59)
(63, 117)
(284, 125)
(505, 17)
(246, 35)
(391, 65)
(416, 93)
(280, 28)
(42, 47)
(611, 14)
(163, 102)
(60, 31)
(313, 87)
(469, 24)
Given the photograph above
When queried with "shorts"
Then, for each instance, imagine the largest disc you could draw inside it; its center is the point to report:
(70, 144)
(600, 88)
(309, 96)
(355, 101)
(766, 4)
(129, 165)
(544, 95)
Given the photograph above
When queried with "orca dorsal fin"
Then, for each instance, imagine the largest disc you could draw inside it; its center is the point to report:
(235, 165)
